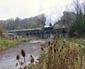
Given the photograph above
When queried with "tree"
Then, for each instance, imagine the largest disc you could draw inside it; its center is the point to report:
(67, 20)
(1, 32)
(32, 22)
(80, 18)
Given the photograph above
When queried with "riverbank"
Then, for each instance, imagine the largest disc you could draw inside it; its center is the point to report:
(8, 57)
(6, 42)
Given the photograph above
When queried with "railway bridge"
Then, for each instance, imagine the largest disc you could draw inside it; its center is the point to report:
(41, 32)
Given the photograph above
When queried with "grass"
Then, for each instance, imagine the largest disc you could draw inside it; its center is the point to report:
(6, 42)
(64, 53)
(80, 41)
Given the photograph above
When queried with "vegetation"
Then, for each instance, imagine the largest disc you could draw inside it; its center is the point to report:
(6, 42)
(57, 54)
(33, 22)
(63, 53)
(74, 21)
(67, 20)
(80, 18)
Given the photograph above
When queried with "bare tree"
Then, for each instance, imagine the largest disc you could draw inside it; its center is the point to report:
(80, 9)
(77, 6)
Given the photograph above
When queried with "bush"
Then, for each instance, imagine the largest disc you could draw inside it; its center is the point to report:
(57, 54)
(1, 32)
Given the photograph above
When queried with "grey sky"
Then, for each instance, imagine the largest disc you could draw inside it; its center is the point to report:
(28, 8)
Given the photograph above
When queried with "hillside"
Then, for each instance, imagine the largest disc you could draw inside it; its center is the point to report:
(32, 22)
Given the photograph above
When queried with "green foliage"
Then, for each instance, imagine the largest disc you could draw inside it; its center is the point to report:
(67, 20)
(79, 26)
(33, 22)
(80, 19)
(6, 42)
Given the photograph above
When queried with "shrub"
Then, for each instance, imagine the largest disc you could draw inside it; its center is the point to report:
(58, 54)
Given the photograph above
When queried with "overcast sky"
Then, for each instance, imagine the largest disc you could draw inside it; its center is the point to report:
(28, 8)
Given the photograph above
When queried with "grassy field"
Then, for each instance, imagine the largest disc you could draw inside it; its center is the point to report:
(64, 53)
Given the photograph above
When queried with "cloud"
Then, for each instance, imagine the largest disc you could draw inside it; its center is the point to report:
(28, 8)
